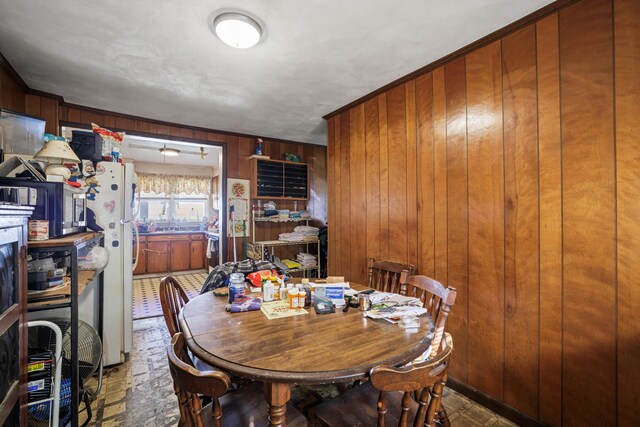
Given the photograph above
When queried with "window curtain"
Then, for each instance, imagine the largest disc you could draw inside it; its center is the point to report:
(174, 184)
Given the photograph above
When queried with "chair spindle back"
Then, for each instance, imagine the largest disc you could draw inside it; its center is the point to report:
(172, 299)
(437, 300)
(385, 276)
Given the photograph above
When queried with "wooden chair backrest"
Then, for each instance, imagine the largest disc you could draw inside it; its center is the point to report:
(385, 275)
(188, 382)
(172, 299)
(426, 378)
(437, 300)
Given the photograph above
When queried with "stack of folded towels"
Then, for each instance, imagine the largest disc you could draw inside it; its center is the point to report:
(309, 234)
(291, 237)
(307, 260)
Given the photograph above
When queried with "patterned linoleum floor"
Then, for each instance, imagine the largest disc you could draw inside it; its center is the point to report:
(146, 299)
(139, 392)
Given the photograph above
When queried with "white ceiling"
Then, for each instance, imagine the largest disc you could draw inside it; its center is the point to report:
(160, 60)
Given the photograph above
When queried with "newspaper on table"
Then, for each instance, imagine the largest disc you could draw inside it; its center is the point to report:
(397, 313)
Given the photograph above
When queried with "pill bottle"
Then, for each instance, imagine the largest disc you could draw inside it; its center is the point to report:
(302, 296)
(293, 298)
(276, 291)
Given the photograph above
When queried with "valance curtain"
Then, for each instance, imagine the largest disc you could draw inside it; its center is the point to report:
(174, 184)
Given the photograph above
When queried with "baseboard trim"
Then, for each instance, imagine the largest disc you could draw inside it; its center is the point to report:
(493, 404)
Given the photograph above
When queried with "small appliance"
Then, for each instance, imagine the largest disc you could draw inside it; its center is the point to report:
(64, 206)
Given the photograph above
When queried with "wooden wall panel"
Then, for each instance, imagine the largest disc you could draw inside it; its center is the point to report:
(589, 222)
(425, 176)
(11, 93)
(372, 185)
(357, 178)
(485, 295)
(627, 107)
(550, 181)
(397, 134)
(521, 307)
(440, 176)
(335, 214)
(527, 194)
(457, 209)
(384, 177)
(412, 172)
(345, 203)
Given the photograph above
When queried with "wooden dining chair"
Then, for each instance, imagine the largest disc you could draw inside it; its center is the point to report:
(172, 299)
(385, 275)
(386, 400)
(244, 407)
(436, 299)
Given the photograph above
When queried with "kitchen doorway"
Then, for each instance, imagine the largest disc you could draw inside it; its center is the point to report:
(177, 210)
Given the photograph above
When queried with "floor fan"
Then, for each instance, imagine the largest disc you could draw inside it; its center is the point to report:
(89, 362)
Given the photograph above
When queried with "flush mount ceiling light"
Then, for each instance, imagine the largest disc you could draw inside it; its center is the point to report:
(237, 29)
(169, 151)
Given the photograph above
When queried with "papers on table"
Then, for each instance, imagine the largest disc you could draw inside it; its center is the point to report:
(279, 309)
(397, 313)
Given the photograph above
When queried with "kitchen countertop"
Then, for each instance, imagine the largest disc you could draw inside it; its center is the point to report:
(157, 233)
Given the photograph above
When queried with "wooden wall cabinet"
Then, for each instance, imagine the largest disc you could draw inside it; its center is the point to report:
(275, 179)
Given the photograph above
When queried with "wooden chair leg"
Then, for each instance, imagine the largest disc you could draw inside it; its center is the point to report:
(441, 416)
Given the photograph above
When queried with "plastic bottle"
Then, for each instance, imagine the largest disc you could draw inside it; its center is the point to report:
(283, 292)
(302, 296)
(268, 291)
(293, 297)
(236, 285)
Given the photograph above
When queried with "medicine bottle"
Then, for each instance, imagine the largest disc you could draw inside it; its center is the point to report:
(302, 295)
(293, 297)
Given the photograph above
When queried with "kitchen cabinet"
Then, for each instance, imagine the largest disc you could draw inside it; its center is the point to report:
(169, 252)
(279, 180)
(141, 268)
(157, 255)
(198, 248)
(180, 254)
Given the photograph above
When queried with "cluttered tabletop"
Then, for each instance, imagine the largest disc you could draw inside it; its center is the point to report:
(310, 332)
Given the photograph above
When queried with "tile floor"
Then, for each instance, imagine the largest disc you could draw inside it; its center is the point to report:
(146, 299)
(139, 393)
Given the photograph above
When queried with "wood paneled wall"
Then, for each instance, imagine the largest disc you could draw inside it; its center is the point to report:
(513, 174)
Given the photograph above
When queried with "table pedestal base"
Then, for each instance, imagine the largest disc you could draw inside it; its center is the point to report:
(277, 396)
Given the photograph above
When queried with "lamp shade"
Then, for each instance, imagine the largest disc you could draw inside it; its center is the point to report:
(57, 152)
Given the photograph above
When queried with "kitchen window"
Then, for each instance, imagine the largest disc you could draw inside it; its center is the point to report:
(168, 207)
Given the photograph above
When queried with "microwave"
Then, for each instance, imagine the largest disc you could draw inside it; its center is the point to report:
(64, 206)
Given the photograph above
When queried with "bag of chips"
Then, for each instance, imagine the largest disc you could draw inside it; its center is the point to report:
(112, 141)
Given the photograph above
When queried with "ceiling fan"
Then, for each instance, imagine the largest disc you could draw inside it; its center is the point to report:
(202, 153)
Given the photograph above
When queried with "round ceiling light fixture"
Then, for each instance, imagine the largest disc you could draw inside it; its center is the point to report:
(237, 29)
(169, 151)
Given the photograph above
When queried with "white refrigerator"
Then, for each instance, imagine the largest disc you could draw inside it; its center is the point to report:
(112, 199)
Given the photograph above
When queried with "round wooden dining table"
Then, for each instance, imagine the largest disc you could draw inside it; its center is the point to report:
(304, 349)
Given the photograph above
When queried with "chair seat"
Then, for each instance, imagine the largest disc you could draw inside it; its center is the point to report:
(248, 407)
(357, 408)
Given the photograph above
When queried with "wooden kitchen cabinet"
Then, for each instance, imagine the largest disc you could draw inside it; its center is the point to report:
(141, 268)
(198, 255)
(157, 256)
(163, 253)
(180, 255)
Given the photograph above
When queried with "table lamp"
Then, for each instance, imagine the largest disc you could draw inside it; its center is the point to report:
(56, 152)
